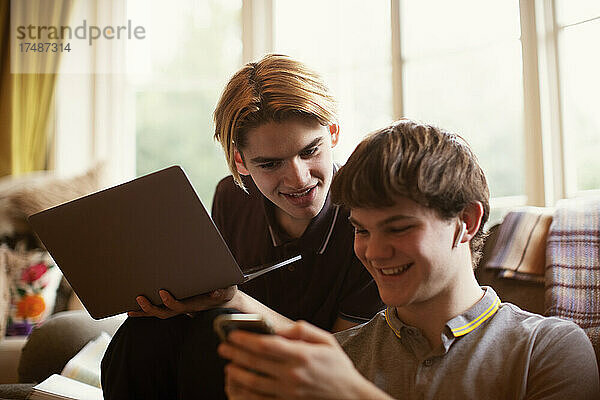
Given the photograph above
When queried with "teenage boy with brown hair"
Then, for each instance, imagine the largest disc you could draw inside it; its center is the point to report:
(418, 201)
(277, 124)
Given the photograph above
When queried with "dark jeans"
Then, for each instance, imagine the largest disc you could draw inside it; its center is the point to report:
(174, 358)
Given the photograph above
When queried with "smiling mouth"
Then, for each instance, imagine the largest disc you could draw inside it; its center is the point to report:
(301, 193)
(395, 270)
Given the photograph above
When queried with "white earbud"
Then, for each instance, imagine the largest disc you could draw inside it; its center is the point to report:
(463, 230)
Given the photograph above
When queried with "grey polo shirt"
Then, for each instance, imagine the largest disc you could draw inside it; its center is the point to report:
(493, 350)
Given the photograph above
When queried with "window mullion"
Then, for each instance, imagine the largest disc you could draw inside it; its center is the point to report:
(397, 92)
(257, 29)
(554, 148)
(534, 175)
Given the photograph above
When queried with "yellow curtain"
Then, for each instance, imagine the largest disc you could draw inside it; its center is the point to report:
(29, 96)
(5, 90)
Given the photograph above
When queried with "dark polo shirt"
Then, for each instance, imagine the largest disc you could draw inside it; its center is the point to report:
(328, 282)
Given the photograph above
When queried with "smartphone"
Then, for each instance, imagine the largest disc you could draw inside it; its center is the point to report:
(225, 323)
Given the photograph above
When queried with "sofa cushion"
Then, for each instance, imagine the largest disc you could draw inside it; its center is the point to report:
(526, 295)
(15, 391)
(21, 196)
(52, 344)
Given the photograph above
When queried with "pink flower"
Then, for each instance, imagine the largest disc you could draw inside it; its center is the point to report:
(34, 272)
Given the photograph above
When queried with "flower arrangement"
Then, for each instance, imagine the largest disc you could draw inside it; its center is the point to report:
(27, 297)
(28, 282)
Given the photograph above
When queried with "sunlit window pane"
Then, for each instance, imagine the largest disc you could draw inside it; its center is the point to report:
(574, 11)
(580, 85)
(431, 27)
(349, 43)
(191, 51)
(469, 83)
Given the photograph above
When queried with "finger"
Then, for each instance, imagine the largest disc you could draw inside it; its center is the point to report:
(237, 392)
(223, 295)
(274, 347)
(233, 391)
(229, 292)
(170, 302)
(201, 302)
(306, 332)
(254, 343)
(136, 314)
(250, 360)
(249, 385)
(153, 310)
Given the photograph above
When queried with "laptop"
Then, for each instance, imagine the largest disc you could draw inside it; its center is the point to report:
(138, 237)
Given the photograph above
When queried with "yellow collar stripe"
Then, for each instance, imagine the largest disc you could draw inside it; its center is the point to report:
(390, 325)
(463, 330)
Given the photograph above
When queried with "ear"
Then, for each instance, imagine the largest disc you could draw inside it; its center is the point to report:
(334, 129)
(471, 216)
(239, 163)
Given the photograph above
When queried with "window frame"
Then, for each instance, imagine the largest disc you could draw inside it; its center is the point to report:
(549, 176)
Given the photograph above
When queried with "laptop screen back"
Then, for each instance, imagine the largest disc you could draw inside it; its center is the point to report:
(136, 238)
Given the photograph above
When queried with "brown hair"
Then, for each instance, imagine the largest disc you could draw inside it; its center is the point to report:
(276, 88)
(432, 167)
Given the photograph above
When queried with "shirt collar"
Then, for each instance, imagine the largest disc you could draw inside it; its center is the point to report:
(394, 322)
(480, 312)
(278, 235)
(317, 234)
(460, 325)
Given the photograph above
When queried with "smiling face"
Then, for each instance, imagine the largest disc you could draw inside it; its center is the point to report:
(407, 249)
(291, 163)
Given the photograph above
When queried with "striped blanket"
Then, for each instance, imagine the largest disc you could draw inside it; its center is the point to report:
(573, 265)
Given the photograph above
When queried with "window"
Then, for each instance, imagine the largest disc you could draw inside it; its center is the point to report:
(175, 83)
(518, 79)
(468, 82)
(578, 26)
(348, 42)
(471, 66)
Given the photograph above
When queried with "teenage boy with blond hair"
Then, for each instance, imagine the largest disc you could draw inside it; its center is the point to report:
(418, 201)
(277, 124)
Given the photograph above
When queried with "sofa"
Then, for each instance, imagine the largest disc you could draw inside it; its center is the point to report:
(54, 342)
(51, 345)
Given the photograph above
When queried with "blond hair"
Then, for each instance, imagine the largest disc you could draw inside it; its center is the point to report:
(432, 167)
(274, 89)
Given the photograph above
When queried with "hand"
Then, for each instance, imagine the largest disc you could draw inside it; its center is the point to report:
(302, 362)
(172, 307)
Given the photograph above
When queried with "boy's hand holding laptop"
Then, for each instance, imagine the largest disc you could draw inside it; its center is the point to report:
(146, 244)
(172, 307)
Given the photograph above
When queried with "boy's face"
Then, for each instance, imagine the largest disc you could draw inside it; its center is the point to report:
(291, 163)
(407, 249)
